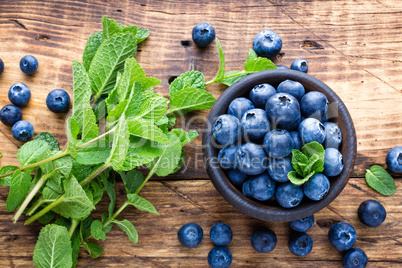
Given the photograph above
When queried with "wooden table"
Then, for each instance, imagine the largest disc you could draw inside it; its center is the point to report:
(353, 46)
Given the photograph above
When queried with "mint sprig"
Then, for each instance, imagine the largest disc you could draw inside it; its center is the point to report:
(380, 180)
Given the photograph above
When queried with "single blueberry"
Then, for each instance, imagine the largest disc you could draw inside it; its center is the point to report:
(190, 235)
(293, 88)
(394, 160)
(371, 213)
(354, 258)
(317, 187)
(289, 195)
(342, 236)
(333, 135)
(29, 64)
(1, 66)
(58, 101)
(283, 110)
(254, 125)
(311, 129)
(251, 159)
(278, 143)
(22, 130)
(221, 234)
(267, 44)
(314, 104)
(260, 94)
(259, 187)
(10, 114)
(279, 168)
(283, 67)
(297, 142)
(203, 34)
(263, 240)
(19, 94)
(226, 129)
(299, 65)
(333, 162)
(302, 225)
(219, 257)
(300, 244)
(236, 177)
(239, 106)
(226, 156)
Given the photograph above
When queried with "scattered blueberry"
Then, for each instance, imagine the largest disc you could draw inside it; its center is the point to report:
(333, 162)
(226, 129)
(279, 168)
(239, 106)
(1, 66)
(251, 159)
(314, 104)
(302, 225)
(58, 101)
(311, 129)
(254, 125)
(267, 44)
(278, 143)
(226, 156)
(333, 135)
(29, 64)
(354, 258)
(317, 187)
(293, 88)
(297, 142)
(219, 257)
(394, 159)
(259, 187)
(22, 130)
(371, 213)
(289, 195)
(190, 235)
(19, 94)
(221, 234)
(260, 94)
(10, 114)
(282, 67)
(299, 65)
(263, 240)
(203, 34)
(283, 110)
(300, 244)
(236, 177)
(342, 236)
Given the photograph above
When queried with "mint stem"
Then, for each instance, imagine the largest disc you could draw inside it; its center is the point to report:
(226, 77)
(36, 205)
(74, 224)
(94, 174)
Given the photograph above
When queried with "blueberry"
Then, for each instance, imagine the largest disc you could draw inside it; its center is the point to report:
(29, 64)
(283, 67)
(58, 101)
(371, 213)
(314, 104)
(22, 130)
(267, 44)
(297, 142)
(302, 225)
(260, 94)
(221, 234)
(263, 240)
(342, 236)
(236, 177)
(300, 244)
(1, 66)
(333, 135)
(278, 143)
(283, 110)
(19, 94)
(299, 65)
(333, 162)
(226, 156)
(254, 124)
(394, 159)
(259, 187)
(190, 235)
(10, 114)
(226, 129)
(289, 195)
(354, 258)
(203, 34)
(317, 187)
(219, 257)
(311, 129)
(239, 106)
(251, 159)
(279, 168)
(293, 88)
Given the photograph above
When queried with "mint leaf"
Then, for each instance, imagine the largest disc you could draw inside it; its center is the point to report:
(251, 56)
(90, 129)
(53, 248)
(109, 185)
(127, 227)
(221, 72)
(259, 64)
(299, 161)
(312, 162)
(142, 34)
(231, 80)
(191, 99)
(31, 151)
(48, 217)
(380, 180)
(75, 246)
(295, 179)
(141, 152)
(154, 108)
(85, 227)
(185, 137)
(90, 49)
(96, 230)
(96, 153)
(147, 130)
(141, 203)
(120, 145)
(57, 168)
(190, 79)
(72, 132)
(313, 148)
(110, 27)
(49, 138)
(6, 181)
(81, 92)
(132, 180)
(93, 249)
(19, 188)
(105, 218)
(97, 189)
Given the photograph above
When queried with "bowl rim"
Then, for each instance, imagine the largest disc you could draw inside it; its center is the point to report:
(230, 193)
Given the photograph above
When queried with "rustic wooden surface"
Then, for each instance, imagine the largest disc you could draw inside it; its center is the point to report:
(353, 46)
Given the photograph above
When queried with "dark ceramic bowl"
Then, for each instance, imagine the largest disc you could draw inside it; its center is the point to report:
(270, 210)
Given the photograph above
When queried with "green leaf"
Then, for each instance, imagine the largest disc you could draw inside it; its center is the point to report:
(221, 72)
(141, 152)
(184, 136)
(19, 189)
(49, 138)
(75, 246)
(72, 132)
(153, 108)
(120, 145)
(132, 180)
(81, 93)
(96, 153)
(191, 99)
(251, 55)
(31, 151)
(380, 180)
(295, 179)
(313, 148)
(6, 181)
(97, 188)
(90, 129)
(141, 203)
(85, 227)
(90, 49)
(142, 34)
(190, 79)
(48, 217)
(96, 230)
(93, 249)
(299, 161)
(109, 185)
(110, 27)
(80, 171)
(127, 227)
(105, 218)
(53, 248)
(231, 80)
(57, 168)
(147, 130)
(312, 162)
(259, 64)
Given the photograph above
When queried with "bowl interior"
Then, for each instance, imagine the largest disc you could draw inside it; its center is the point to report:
(270, 210)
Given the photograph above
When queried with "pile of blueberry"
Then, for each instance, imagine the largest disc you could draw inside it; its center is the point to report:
(58, 101)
